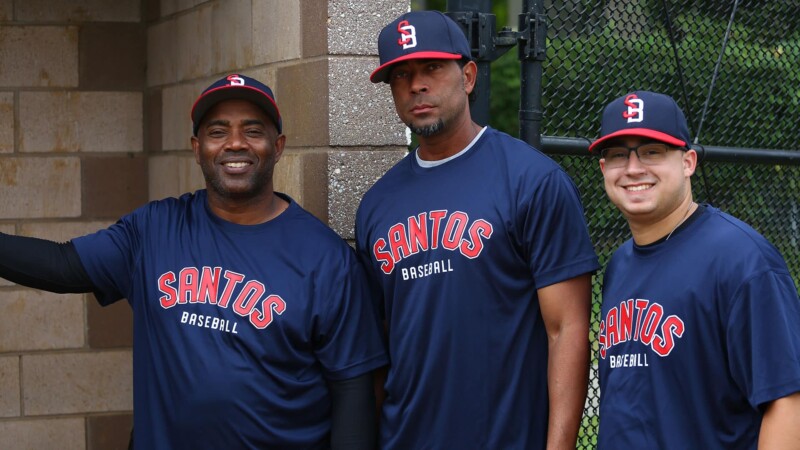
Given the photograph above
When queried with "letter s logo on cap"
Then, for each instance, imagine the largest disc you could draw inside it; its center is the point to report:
(635, 112)
(408, 35)
(236, 80)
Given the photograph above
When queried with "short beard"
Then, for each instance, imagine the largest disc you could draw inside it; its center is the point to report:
(428, 130)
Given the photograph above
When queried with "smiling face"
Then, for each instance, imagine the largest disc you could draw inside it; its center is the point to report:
(655, 197)
(237, 146)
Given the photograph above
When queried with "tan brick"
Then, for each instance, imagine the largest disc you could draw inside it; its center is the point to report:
(111, 431)
(63, 434)
(162, 53)
(78, 10)
(77, 382)
(38, 320)
(299, 174)
(151, 11)
(176, 103)
(6, 122)
(304, 101)
(6, 228)
(112, 57)
(9, 387)
(314, 28)
(153, 109)
(173, 175)
(6, 10)
(277, 18)
(80, 121)
(39, 187)
(195, 58)
(109, 326)
(61, 231)
(39, 56)
(267, 76)
(173, 6)
(361, 112)
(232, 35)
(113, 186)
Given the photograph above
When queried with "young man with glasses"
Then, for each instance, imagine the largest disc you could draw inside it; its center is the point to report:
(700, 325)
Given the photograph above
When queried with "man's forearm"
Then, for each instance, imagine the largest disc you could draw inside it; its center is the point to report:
(42, 264)
(780, 427)
(568, 375)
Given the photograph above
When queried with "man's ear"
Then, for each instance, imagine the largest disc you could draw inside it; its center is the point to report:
(470, 73)
(196, 149)
(280, 143)
(689, 162)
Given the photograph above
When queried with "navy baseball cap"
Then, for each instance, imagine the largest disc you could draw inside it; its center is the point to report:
(232, 87)
(419, 35)
(646, 114)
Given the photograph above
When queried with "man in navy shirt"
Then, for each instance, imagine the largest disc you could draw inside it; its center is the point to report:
(700, 325)
(479, 251)
(253, 326)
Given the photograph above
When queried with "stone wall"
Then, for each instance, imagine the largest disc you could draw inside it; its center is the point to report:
(94, 121)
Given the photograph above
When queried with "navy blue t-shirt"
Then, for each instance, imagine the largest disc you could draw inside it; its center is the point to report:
(236, 328)
(698, 332)
(457, 253)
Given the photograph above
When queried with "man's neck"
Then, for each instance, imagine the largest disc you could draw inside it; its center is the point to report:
(645, 233)
(252, 211)
(448, 142)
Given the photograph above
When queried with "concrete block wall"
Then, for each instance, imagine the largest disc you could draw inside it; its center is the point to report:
(72, 160)
(94, 121)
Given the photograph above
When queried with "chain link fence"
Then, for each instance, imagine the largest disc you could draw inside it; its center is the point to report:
(600, 50)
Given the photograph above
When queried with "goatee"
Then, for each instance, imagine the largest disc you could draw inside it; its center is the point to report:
(428, 130)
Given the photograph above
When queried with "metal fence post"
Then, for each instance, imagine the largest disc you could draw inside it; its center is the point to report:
(533, 35)
(479, 29)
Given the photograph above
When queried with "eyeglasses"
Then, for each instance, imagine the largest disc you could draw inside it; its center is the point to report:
(649, 153)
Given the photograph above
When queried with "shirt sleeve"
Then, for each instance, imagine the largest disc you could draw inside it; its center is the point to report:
(349, 338)
(109, 258)
(42, 264)
(556, 238)
(763, 338)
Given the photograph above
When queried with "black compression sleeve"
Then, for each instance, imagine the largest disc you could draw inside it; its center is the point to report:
(353, 421)
(42, 264)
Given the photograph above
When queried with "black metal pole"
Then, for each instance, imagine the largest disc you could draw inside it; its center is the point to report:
(533, 29)
(467, 11)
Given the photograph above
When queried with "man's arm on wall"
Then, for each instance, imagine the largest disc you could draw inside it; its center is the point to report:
(42, 264)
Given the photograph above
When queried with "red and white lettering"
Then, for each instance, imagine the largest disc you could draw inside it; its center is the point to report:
(673, 326)
(262, 319)
(248, 297)
(233, 280)
(187, 285)
(170, 297)
(209, 285)
(385, 258)
(479, 230)
(418, 233)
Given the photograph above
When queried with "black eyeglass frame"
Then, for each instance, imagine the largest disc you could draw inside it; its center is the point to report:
(602, 152)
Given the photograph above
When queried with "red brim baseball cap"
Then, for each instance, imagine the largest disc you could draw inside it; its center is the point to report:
(419, 35)
(643, 114)
(234, 87)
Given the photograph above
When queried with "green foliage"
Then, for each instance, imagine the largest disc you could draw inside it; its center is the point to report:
(757, 87)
